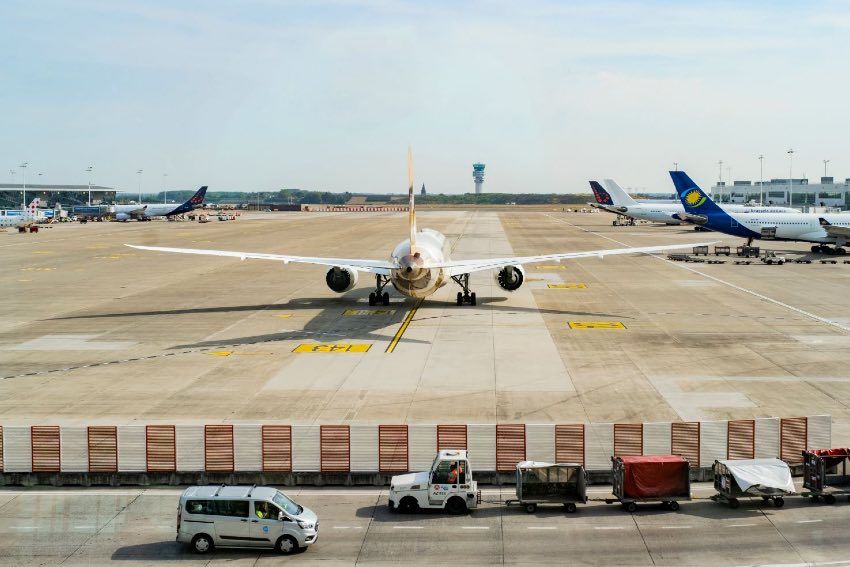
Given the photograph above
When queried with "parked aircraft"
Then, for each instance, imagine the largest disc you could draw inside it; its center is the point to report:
(822, 229)
(615, 200)
(421, 264)
(23, 218)
(146, 211)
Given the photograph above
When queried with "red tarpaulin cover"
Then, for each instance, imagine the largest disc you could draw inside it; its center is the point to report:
(832, 457)
(655, 477)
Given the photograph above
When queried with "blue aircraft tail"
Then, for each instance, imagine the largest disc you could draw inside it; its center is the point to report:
(694, 199)
(602, 196)
(193, 203)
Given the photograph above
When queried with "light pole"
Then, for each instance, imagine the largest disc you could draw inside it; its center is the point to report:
(23, 167)
(729, 179)
(139, 173)
(826, 161)
(761, 180)
(675, 166)
(720, 178)
(790, 153)
(89, 170)
(164, 192)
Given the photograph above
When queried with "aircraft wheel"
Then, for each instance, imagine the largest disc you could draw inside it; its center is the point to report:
(372, 299)
(459, 299)
(840, 251)
(815, 249)
(472, 299)
(386, 298)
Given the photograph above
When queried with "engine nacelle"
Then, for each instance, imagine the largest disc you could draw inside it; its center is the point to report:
(122, 217)
(341, 279)
(510, 278)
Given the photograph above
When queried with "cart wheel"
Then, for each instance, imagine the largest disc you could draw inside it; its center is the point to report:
(631, 507)
(829, 499)
(571, 507)
(673, 505)
(815, 498)
(779, 502)
(531, 508)
(733, 503)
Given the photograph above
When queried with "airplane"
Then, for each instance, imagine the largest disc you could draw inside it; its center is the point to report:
(23, 219)
(616, 200)
(142, 211)
(821, 229)
(421, 264)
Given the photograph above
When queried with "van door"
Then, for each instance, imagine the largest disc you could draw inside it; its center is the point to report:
(444, 482)
(265, 525)
(231, 522)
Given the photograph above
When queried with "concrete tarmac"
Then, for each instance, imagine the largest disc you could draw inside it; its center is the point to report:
(94, 332)
(137, 527)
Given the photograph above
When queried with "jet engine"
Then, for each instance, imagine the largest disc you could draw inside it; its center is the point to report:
(122, 217)
(341, 279)
(510, 278)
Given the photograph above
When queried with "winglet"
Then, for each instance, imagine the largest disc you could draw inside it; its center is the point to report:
(412, 213)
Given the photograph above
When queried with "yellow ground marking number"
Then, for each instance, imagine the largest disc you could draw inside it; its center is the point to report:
(550, 267)
(567, 286)
(359, 312)
(333, 348)
(596, 325)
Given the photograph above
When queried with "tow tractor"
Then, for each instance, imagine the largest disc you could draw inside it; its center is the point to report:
(447, 486)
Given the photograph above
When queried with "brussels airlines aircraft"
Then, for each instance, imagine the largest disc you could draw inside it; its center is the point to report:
(616, 200)
(147, 211)
(420, 265)
(23, 217)
(823, 229)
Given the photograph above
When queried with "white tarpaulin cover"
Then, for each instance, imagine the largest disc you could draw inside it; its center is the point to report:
(761, 475)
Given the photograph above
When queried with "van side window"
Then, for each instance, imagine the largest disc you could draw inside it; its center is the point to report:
(200, 507)
(235, 508)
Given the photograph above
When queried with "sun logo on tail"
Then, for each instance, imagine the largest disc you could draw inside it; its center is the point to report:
(694, 198)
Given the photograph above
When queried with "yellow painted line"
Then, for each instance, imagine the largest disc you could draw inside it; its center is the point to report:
(358, 312)
(42, 252)
(24, 280)
(235, 353)
(333, 348)
(404, 325)
(567, 286)
(284, 315)
(34, 269)
(550, 267)
(596, 325)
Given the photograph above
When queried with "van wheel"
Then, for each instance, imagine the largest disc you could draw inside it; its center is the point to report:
(456, 506)
(408, 505)
(286, 545)
(202, 543)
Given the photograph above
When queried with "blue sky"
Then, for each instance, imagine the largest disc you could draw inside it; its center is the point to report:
(261, 94)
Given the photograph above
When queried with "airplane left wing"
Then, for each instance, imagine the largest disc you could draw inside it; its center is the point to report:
(455, 268)
(372, 266)
(833, 229)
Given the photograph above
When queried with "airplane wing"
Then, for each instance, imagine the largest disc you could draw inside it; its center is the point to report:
(834, 230)
(455, 268)
(372, 266)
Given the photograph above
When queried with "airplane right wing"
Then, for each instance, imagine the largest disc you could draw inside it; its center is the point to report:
(381, 267)
(834, 230)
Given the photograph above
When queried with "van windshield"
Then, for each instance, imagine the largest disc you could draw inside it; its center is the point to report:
(288, 505)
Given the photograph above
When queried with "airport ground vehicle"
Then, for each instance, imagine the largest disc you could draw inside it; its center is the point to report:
(547, 483)
(660, 478)
(242, 516)
(768, 479)
(770, 257)
(447, 486)
(825, 474)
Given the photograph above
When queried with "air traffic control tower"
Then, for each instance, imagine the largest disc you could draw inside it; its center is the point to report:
(478, 176)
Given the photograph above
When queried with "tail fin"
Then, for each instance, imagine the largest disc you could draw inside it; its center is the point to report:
(412, 213)
(694, 199)
(601, 195)
(198, 198)
(34, 205)
(618, 193)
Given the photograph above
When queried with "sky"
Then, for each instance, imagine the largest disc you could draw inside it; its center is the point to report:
(328, 95)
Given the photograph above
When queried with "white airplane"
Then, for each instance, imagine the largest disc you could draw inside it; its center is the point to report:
(419, 265)
(616, 200)
(146, 211)
(23, 219)
(821, 229)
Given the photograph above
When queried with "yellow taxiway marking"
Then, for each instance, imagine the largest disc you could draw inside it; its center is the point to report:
(42, 252)
(596, 325)
(404, 325)
(24, 280)
(358, 312)
(567, 286)
(33, 269)
(550, 267)
(284, 315)
(333, 348)
(97, 247)
(236, 353)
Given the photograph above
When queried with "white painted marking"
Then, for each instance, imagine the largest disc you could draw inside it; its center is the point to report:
(23, 527)
(675, 527)
(542, 528)
(808, 521)
(608, 528)
(408, 528)
(739, 525)
(475, 527)
(71, 343)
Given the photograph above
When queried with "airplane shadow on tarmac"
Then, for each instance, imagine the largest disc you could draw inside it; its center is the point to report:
(330, 324)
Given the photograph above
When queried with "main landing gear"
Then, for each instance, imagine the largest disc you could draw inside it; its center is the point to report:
(824, 249)
(465, 296)
(379, 295)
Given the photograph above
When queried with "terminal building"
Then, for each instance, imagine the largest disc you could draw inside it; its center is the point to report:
(784, 192)
(12, 195)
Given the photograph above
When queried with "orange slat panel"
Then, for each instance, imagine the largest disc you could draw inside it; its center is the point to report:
(628, 439)
(45, 448)
(741, 439)
(510, 446)
(160, 448)
(277, 448)
(684, 441)
(451, 437)
(103, 448)
(792, 439)
(392, 448)
(218, 448)
(335, 447)
(569, 443)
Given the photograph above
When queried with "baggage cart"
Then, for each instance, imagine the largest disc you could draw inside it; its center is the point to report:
(725, 250)
(548, 483)
(768, 479)
(700, 250)
(825, 474)
(664, 479)
(748, 251)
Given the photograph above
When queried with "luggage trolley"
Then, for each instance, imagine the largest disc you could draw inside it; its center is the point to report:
(661, 478)
(825, 474)
(768, 479)
(547, 483)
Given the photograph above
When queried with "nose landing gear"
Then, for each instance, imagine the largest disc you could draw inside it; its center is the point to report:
(465, 296)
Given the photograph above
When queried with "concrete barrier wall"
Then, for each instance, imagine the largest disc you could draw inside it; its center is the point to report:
(383, 449)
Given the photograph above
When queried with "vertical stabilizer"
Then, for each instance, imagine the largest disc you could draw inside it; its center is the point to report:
(618, 193)
(412, 212)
